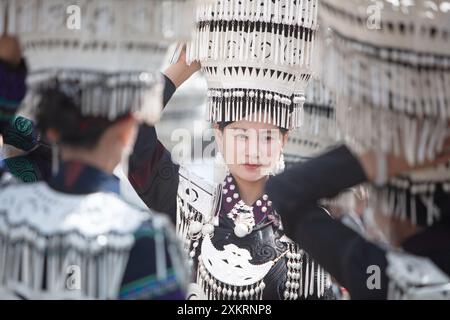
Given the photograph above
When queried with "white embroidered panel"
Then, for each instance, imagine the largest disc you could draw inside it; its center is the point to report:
(51, 212)
(231, 265)
(198, 192)
(90, 237)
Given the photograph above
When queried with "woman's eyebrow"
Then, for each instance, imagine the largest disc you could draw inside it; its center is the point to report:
(269, 131)
(260, 130)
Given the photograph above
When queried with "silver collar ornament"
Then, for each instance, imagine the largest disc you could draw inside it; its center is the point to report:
(217, 272)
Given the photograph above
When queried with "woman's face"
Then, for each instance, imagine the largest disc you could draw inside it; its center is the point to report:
(251, 150)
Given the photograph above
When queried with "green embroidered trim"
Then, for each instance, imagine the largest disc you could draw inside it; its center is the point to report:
(23, 125)
(150, 286)
(6, 116)
(149, 231)
(142, 233)
(9, 103)
(20, 134)
(21, 168)
(17, 141)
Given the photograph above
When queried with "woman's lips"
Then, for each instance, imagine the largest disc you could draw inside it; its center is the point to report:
(249, 166)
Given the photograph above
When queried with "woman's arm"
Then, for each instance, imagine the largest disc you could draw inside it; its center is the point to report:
(331, 173)
(152, 172)
(323, 177)
(357, 264)
(341, 251)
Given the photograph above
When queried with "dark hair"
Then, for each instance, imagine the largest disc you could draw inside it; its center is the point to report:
(224, 124)
(257, 108)
(58, 111)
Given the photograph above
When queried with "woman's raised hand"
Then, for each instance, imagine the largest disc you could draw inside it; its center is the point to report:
(10, 51)
(394, 165)
(179, 71)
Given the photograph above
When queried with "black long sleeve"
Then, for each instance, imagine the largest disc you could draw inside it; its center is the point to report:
(323, 177)
(346, 255)
(341, 251)
(152, 172)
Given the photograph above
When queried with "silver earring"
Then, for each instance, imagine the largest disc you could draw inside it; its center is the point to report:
(280, 166)
(55, 159)
(220, 168)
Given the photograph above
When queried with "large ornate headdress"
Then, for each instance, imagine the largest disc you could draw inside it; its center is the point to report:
(319, 129)
(256, 56)
(389, 63)
(109, 50)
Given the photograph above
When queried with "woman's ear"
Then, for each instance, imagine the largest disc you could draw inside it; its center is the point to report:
(52, 135)
(284, 139)
(126, 130)
(218, 134)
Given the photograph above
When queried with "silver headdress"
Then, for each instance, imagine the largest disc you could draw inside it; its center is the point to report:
(109, 50)
(256, 56)
(391, 73)
(319, 129)
(389, 62)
